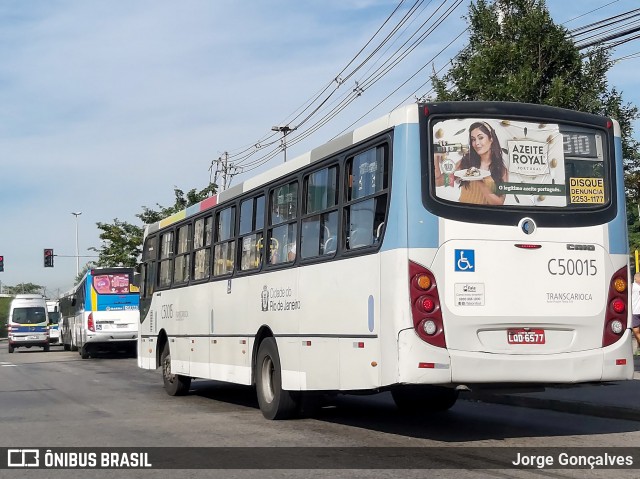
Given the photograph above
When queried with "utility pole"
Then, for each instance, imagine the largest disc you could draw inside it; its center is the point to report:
(76, 214)
(284, 129)
(225, 169)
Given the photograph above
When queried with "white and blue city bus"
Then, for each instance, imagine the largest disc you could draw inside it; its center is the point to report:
(441, 247)
(101, 313)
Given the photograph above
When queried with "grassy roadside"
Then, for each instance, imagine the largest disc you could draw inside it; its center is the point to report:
(4, 314)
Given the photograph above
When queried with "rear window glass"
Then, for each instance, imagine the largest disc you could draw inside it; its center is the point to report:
(111, 283)
(522, 164)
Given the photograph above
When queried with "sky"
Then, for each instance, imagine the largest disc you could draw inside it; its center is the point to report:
(106, 107)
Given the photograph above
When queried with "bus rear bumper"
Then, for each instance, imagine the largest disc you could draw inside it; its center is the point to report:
(424, 364)
(112, 337)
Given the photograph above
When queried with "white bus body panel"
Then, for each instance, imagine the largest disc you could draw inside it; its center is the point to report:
(520, 290)
(110, 327)
(318, 351)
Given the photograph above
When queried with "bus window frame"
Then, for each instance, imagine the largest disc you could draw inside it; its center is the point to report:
(227, 241)
(320, 213)
(382, 140)
(552, 217)
(205, 246)
(375, 196)
(185, 255)
(292, 179)
(169, 259)
(253, 197)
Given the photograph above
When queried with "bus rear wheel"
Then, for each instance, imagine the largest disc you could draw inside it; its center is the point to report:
(275, 403)
(84, 352)
(174, 384)
(424, 399)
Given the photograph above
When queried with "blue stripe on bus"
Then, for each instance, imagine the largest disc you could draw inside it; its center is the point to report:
(407, 186)
(117, 302)
(618, 237)
(40, 328)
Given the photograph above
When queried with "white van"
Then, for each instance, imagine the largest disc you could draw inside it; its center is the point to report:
(53, 311)
(28, 323)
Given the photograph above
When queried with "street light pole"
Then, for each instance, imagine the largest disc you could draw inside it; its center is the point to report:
(76, 214)
(284, 130)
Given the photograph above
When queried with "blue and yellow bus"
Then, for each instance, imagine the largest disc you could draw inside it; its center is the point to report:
(101, 312)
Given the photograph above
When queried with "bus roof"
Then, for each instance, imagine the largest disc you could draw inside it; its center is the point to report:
(402, 115)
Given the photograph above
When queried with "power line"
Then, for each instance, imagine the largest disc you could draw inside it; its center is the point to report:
(337, 80)
(602, 40)
(591, 11)
(602, 23)
(355, 92)
(329, 106)
(373, 78)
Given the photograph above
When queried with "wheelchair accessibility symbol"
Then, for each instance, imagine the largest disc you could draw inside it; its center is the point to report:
(465, 260)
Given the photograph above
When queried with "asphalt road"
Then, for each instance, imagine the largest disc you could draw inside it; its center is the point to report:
(56, 399)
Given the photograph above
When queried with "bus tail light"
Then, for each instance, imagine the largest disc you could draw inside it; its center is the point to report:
(90, 325)
(615, 319)
(425, 305)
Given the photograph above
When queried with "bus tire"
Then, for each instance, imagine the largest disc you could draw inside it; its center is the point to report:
(275, 403)
(424, 399)
(174, 384)
(84, 352)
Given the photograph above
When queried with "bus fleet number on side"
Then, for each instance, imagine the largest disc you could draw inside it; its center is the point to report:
(572, 267)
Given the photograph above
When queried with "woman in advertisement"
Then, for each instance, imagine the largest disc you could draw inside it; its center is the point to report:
(481, 168)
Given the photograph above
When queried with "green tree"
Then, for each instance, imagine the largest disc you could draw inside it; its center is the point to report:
(83, 271)
(517, 53)
(23, 288)
(122, 241)
(4, 315)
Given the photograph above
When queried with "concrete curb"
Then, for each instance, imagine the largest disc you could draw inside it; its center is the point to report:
(572, 407)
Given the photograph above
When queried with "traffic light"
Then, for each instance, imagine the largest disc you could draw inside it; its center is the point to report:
(48, 258)
(1, 263)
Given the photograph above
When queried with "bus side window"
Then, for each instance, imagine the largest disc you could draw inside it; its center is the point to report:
(250, 245)
(282, 234)
(203, 229)
(225, 243)
(181, 262)
(318, 235)
(166, 258)
(366, 197)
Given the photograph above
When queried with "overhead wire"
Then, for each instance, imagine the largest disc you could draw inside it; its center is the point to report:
(598, 33)
(591, 11)
(369, 79)
(362, 63)
(337, 79)
(351, 96)
(380, 72)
